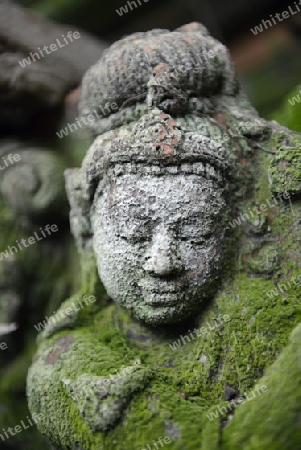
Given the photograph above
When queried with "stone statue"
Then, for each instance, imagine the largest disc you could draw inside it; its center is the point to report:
(186, 208)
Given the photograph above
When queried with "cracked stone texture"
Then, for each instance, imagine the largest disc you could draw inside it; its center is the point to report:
(152, 210)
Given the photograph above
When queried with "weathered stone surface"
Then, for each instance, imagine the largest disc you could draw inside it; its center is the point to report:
(135, 76)
(33, 185)
(196, 241)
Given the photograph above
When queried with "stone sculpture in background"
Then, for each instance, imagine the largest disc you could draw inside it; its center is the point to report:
(39, 88)
(34, 279)
(154, 212)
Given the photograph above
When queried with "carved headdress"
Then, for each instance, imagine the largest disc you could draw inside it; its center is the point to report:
(176, 101)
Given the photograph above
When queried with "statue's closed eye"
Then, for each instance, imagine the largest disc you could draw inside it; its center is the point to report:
(194, 233)
(134, 233)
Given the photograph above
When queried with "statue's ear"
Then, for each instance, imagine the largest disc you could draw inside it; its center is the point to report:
(79, 210)
(285, 167)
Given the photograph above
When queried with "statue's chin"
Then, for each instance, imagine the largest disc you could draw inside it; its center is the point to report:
(161, 310)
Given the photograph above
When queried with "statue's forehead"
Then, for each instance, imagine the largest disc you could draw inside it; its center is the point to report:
(133, 186)
(172, 196)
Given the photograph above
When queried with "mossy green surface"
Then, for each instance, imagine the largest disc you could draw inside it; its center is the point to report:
(285, 169)
(244, 341)
(186, 381)
(272, 420)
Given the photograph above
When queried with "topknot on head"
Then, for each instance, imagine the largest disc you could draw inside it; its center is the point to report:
(170, 70)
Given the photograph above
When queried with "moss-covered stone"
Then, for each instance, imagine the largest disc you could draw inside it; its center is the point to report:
(104, 380)
(250, 428)
(285, 170)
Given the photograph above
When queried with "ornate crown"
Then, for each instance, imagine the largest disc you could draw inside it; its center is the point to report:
(159, 145)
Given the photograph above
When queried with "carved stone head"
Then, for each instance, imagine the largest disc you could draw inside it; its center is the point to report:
(153, 196)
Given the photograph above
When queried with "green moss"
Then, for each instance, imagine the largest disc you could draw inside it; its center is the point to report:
(285, 170)
(211, 434)
(250, 428)
(255, 320)
(186, 381)
(180, 377)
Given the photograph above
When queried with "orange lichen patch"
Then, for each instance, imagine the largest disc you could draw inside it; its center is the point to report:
(63, 345)
(190, 39)
(221, 119)
(173, 139)
(163, 116)
(167, 150)
(160, 68)
(172, 124)
(163, 133)
(193, 26)
(132, 37)
(147, 48)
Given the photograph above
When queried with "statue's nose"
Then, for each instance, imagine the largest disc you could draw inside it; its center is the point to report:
(163, 258)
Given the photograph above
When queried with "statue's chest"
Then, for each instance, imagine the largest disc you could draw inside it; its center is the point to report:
(172, 352)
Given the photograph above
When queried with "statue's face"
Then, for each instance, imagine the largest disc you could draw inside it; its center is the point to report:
(158, 243)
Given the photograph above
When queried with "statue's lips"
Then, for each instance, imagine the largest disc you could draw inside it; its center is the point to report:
(161, 287)
(157, 300)
(159, 293)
